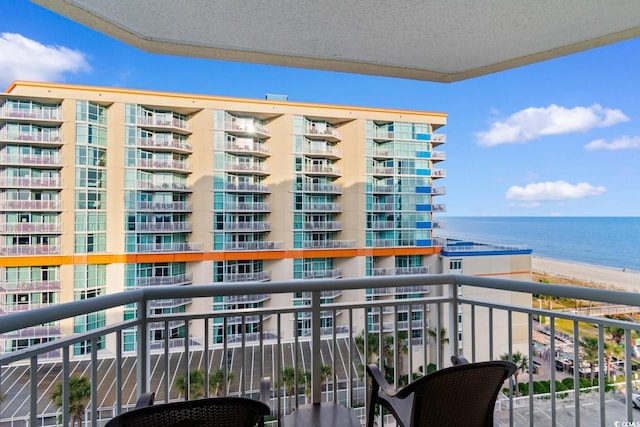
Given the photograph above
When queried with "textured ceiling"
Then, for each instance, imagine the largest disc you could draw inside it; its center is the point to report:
(438, 40)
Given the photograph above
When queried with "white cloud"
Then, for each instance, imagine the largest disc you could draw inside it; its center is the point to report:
(622, 143)
(25, 59)
(553, 190)
(532, 123)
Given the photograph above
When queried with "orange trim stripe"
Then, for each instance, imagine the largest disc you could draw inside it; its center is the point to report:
(80, 259)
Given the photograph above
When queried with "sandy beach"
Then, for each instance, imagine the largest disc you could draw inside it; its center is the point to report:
(608, 277)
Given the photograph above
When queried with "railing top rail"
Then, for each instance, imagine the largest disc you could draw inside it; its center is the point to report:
(16, 321)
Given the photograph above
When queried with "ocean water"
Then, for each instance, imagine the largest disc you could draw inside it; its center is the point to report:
(605, 241)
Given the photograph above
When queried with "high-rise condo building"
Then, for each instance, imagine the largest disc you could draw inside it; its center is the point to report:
(108, 189)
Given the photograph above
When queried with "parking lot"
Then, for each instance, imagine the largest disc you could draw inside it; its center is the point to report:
(565, 414)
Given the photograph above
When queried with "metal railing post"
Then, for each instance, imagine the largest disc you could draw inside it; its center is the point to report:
(142, 349)
(316, 386)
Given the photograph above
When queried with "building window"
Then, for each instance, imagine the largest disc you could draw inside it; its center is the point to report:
(455, 264)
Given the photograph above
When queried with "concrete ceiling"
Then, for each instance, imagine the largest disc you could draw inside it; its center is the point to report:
(436, 40)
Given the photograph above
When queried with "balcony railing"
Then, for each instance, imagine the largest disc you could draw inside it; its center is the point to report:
(28, 182)
(35, 137)
(320, 188)
(329, 244)
(248, 147)
(246, 127)
(162, 123)
(46, 114)
(30, 286)
(31, 205)
(163, 164)
(31, 227)
(246, 186)
(165, 144)
(179, 279)
(53, 160)
(169, 247)
(254, 246)
(33, 249)
(170, 227)
(496, 319)
(164, 206)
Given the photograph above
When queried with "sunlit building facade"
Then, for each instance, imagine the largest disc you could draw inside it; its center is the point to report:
(107, 189)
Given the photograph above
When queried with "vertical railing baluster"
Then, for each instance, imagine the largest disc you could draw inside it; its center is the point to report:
(453, 320)
(243, 347)
(118, 367)
(351, 358)
(225, 355)
(94, 382)
(473, 332)
(531, 366)
(627, 374)
(33, 394)
(333, 350)
(513, 387)
(491, 333)
(66, 372)
(601, 384)
(207, 358)
(552, 357)
(142, 348)
(576, 369)
(278, 365)
(167, 355)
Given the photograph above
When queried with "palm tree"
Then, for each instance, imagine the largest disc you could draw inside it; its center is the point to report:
(79, 396)
(590, 354)
(325, 373)
(611, 350)
(196, 384)
(440, 337)
(216, 381)
(288, 376)
(520, 360)
(372, 345)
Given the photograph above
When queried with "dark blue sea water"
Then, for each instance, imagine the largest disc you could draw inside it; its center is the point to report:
(606, 241)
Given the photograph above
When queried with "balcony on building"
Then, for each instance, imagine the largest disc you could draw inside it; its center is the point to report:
(323, 226)
(162, 122)
(328, 244)
(178, 186)
(322, 170)
(321, 130)
(175, 280)
(438, 139)
(254, 167)
(324, 188)
(32, 160)
(326, 151)
(28, 111)
(438, 173)
(322, 207)
(258, 226)
(244, 126)
(28, 286)
(249, 187)
(53, 138)
(164, 206)
(30, 205)
(262, 245)
(54, 227)
(169, 247)
(247, 146)
(7, 181)
(171, 144)
(168, 227)
(247, 206)
(438, 156)
(168, 165)
(28, 248)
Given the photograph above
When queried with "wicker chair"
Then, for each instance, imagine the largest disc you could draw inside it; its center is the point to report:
(212, 412)
(462, 395)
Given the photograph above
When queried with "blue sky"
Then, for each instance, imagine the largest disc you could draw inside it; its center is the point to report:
(560, 137)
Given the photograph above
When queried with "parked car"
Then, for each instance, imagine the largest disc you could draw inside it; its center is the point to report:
(635, 399)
